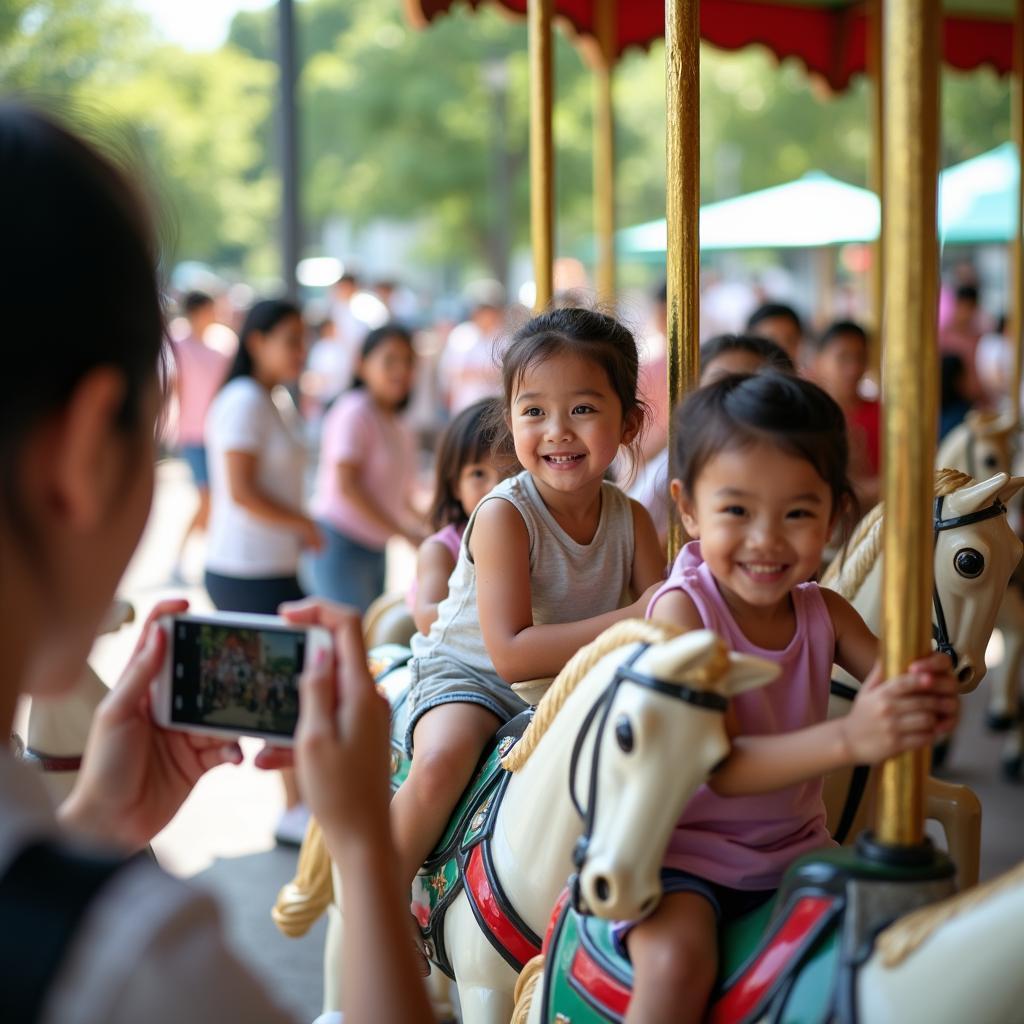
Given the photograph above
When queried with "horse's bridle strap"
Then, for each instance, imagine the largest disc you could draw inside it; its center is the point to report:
(679, 691)
(940, 630)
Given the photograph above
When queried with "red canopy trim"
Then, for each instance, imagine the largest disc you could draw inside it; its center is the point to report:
(829, 40)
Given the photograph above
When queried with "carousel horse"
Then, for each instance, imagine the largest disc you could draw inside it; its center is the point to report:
(847, 939)
(981, 445)
(604, 744)
(975, 551)
(58, 727)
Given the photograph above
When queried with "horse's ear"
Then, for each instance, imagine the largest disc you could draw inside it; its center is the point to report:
(1012, 486)
(970, 499)
(747, 673)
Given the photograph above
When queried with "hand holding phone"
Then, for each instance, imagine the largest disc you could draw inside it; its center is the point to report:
(228, 674)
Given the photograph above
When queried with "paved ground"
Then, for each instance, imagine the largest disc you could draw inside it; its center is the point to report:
(223, 836)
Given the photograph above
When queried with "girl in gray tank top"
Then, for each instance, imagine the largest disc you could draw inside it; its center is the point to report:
(550, 558)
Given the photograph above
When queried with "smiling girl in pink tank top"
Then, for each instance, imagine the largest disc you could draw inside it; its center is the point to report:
(762, 482)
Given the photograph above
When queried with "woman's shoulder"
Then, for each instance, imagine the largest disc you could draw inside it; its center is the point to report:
(239, 393)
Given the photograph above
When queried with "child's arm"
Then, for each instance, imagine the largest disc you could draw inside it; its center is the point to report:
(888, 717)
(434, 566)
(648, 555)
(856, 645)
(500, 546)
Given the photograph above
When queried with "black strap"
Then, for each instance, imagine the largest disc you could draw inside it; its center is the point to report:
(43, 897)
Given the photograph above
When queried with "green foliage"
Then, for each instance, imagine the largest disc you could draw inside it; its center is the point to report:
(408, 124)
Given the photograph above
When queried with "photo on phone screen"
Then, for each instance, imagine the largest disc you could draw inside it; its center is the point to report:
(237, 678)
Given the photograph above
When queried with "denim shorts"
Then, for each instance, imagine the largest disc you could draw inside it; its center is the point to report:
(441, 680)
(347, 572)
(728, 904)
(195, 456)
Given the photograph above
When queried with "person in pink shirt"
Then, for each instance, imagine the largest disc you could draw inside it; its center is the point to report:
(762, 482)
(467, 468)
(366, 473)
(199, 373)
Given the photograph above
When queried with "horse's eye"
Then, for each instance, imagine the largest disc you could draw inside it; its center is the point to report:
(991, 462)
(624, 734)
(969, 563)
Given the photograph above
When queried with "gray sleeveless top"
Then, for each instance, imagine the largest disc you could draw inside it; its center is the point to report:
(568, 581)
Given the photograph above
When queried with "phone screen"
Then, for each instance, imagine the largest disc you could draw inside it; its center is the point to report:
(237, 678)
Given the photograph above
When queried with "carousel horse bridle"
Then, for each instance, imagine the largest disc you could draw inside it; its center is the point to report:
(968, 562)
(625, 673)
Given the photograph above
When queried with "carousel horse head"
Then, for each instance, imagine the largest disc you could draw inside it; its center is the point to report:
(649, 742)
(975, 553)
(980, 446)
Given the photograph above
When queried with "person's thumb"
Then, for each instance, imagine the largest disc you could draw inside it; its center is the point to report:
(131, 689)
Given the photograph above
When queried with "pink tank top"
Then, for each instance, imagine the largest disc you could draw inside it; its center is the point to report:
(450, 537)
(747, 842)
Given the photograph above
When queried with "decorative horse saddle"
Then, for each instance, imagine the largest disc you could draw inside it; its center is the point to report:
(781, 962)
(462, 857)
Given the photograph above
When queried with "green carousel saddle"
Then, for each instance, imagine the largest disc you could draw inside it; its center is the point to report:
(461, 859)
(779, 963)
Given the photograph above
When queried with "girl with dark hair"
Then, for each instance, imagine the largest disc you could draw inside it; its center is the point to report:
(366, 473)
(549, 559)
(96, 933)
(761, 483)
(256, 461)
(719, 356)
(467, 468)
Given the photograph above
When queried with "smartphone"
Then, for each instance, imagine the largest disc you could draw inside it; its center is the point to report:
(228, 674)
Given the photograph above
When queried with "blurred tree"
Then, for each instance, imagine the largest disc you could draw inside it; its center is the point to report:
(410, 125)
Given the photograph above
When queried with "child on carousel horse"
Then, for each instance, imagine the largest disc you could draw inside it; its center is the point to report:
(761, 481)
(549, 559)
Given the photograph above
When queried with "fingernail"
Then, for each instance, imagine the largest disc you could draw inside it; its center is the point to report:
(321, 658)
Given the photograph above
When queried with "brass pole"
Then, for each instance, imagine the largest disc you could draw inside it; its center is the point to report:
(541, 150)
(1017, 253)
(876, 181)
(910, 374)
(604, 149)
(682, 203)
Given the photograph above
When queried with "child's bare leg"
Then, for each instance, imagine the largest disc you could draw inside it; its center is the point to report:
(447, 743)
(675, 960)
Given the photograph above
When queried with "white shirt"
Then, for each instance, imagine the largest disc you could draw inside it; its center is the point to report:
(468, 369)
(149, 948)
(245, 418)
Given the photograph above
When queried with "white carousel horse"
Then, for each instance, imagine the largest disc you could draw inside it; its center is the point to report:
(981, 445)
(847, 940)
(609, 733)
(58, 727)
(975, 552)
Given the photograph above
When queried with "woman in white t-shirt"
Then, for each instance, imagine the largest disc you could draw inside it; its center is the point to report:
(256, 460)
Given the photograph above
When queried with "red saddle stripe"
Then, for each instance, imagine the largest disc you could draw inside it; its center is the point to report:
(600, 985)
(743, 997)
(500, 926)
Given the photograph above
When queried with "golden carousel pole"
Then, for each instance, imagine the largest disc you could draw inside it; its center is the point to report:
(1017, 253)
(541, 150)
(876, 181)
(604, 147)
(910, 376)
(682, 203)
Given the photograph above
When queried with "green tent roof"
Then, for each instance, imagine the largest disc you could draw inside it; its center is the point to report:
(977, 204)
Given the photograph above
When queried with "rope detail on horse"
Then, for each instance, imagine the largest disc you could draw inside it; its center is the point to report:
(629, 631)
(846, 575)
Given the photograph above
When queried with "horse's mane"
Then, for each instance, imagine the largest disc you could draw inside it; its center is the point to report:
(904, 937)
(629, 631)
(846, 575)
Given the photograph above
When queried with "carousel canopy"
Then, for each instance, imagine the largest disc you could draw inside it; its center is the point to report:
(828, 36)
